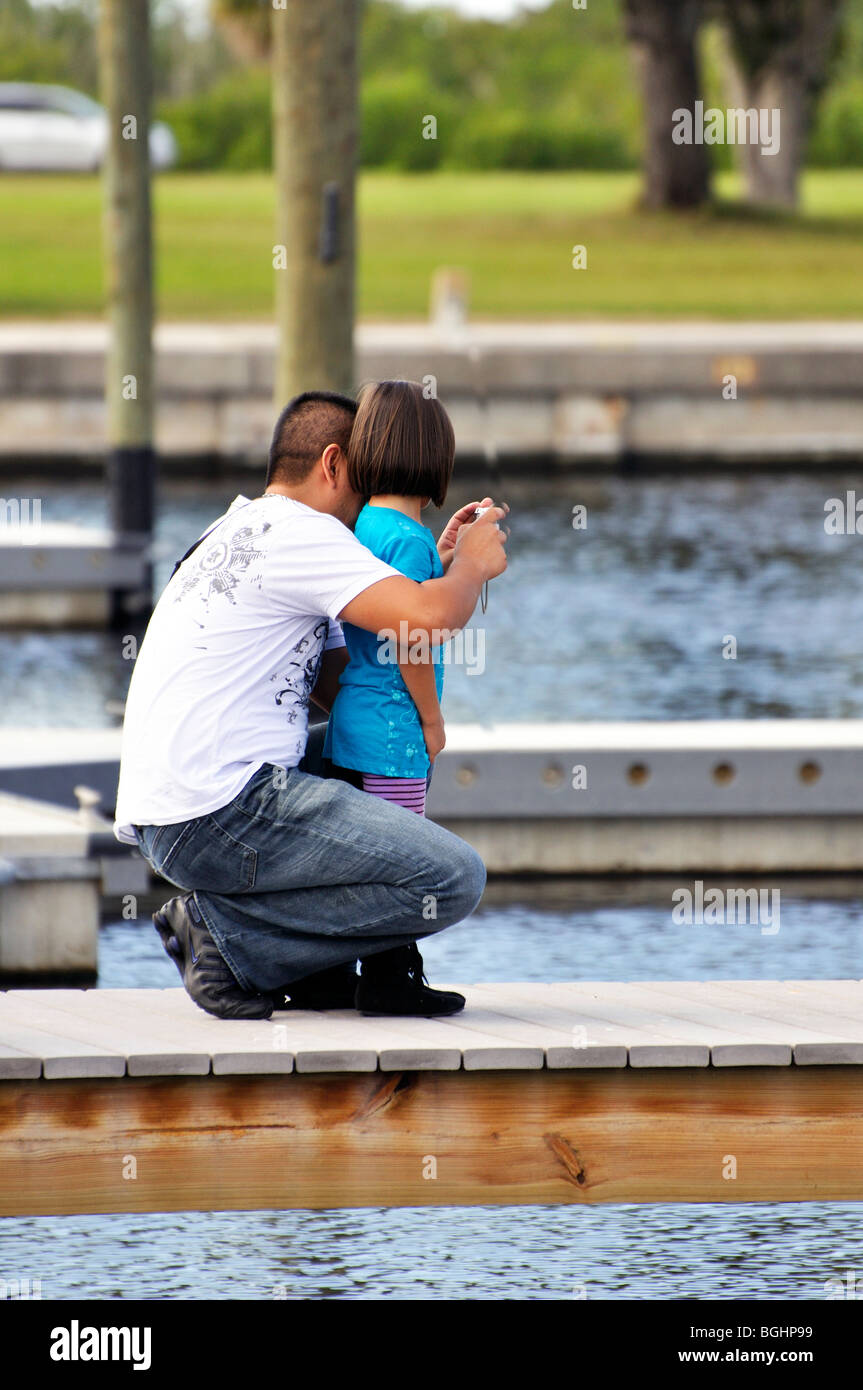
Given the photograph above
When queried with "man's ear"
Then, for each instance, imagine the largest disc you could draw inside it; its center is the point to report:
(332, 462)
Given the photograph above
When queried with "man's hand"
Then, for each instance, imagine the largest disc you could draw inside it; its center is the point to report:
(463, 517)
(434, 735)
(483, 542)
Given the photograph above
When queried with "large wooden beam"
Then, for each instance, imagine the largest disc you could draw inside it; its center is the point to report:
(431, 1139)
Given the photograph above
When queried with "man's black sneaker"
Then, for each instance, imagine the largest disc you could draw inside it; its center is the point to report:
(202, 968)
(334, 988)
(392, 982)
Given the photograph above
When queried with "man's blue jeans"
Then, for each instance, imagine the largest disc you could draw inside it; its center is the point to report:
(300, 872)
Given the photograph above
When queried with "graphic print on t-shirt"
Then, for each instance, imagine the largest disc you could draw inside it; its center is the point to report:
(222, 679)
(298, 682)
(224, 564)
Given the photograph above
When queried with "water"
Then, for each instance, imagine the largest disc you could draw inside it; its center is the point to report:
(514, 1253)
(625, 620)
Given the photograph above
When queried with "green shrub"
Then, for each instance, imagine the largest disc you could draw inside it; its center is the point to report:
(227, 127)
(837, 140)
(230, 126)
(393, 113)
(492, 139)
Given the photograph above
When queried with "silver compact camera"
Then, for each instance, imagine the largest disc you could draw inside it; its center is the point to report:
(477, 512)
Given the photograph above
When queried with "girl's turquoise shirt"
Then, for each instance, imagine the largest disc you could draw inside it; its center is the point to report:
(374, 725)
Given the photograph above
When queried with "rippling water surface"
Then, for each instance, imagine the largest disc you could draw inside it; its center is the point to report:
(626, 619)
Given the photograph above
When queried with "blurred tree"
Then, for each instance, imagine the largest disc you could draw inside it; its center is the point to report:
(57, 43)
(663, 34)
(781, 53)
(49, 43)
(185, 60)
(245, 27)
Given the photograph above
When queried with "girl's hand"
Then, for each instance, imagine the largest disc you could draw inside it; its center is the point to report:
(463, 517)
(434, 735)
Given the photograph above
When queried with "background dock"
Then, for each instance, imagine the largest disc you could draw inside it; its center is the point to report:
(767, 796)
(575, 393)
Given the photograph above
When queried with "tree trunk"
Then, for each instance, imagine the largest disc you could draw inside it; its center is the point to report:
(245, 28)
(663, 34)
(124, 54)
(315, 120)
(779, 52)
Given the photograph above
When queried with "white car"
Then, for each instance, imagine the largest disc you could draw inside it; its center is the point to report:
(57, 128)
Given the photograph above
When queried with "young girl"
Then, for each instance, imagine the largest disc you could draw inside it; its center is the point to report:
(386, 723)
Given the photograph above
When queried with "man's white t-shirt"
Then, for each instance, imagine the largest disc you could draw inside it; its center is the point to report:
(222, 681)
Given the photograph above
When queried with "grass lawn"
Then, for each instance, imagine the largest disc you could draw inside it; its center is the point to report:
(513, 232)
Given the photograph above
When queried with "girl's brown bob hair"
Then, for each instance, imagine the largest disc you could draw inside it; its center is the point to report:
(402, 442)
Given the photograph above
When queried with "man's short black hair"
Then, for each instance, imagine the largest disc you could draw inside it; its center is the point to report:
(305, 427)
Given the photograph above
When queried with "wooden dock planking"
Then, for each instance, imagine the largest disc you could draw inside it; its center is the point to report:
(16, 1064)
(331, 1041)
(759, 1044)
(512, 1026)
(849, 989)
(83, 1017)
(333, 1109)
(696, 1003)
(693, 1005)
(613, 1033)
(621, 1029)
(59, 1055)
(823, 1032)
(654, 1040)
(807, 998)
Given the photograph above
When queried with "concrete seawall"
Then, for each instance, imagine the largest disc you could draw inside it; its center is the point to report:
(761, 796)
(580, 394)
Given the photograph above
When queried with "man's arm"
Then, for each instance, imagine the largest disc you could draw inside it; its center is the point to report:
(333, 662)
(438, 605)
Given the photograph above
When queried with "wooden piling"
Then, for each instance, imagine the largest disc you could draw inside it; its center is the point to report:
(124, 53)
(315, 85)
